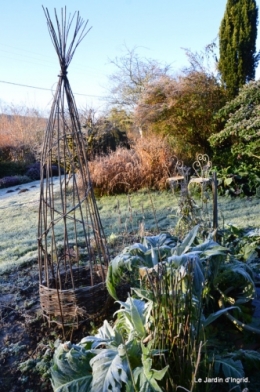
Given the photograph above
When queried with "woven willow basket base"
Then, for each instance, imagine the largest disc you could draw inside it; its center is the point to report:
(70, 306)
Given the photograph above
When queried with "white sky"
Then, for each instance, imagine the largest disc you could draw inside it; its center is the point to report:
(159, 28)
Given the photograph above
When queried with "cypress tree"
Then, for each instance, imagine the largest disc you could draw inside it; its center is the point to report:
(237, 44)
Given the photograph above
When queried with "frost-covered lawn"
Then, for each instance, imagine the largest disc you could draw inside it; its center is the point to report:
(120, 215)
(18, 223)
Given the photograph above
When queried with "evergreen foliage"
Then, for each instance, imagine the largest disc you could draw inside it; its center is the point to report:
(103, 137)
(239, 139)
(237, 44)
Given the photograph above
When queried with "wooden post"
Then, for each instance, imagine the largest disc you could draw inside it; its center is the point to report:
(215, 199)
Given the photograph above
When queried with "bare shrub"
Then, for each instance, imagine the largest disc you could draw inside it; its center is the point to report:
(21, 132)
(183, 107)
(146, 165)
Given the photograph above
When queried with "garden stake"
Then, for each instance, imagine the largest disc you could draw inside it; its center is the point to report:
(215, 200)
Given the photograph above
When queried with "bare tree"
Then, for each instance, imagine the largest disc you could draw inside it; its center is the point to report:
(205, 61)
(131, 77)
(88, 116)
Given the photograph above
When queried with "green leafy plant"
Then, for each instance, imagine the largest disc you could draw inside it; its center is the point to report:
(126, 265)
(113, 359)
(71, 370)
(238, 181)
(238, 140)
(179, 288)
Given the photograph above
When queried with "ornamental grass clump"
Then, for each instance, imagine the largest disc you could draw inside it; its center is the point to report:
(147, 164)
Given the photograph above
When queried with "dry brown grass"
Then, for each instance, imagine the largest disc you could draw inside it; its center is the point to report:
(146, 165)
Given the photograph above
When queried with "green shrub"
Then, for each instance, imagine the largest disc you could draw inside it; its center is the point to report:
(8, 168)
(241, 181)
(105, 138)
(239, 139)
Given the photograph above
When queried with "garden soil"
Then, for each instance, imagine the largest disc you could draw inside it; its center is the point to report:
(26, 340)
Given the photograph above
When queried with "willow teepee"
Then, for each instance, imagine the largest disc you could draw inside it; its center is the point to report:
(72, 249)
